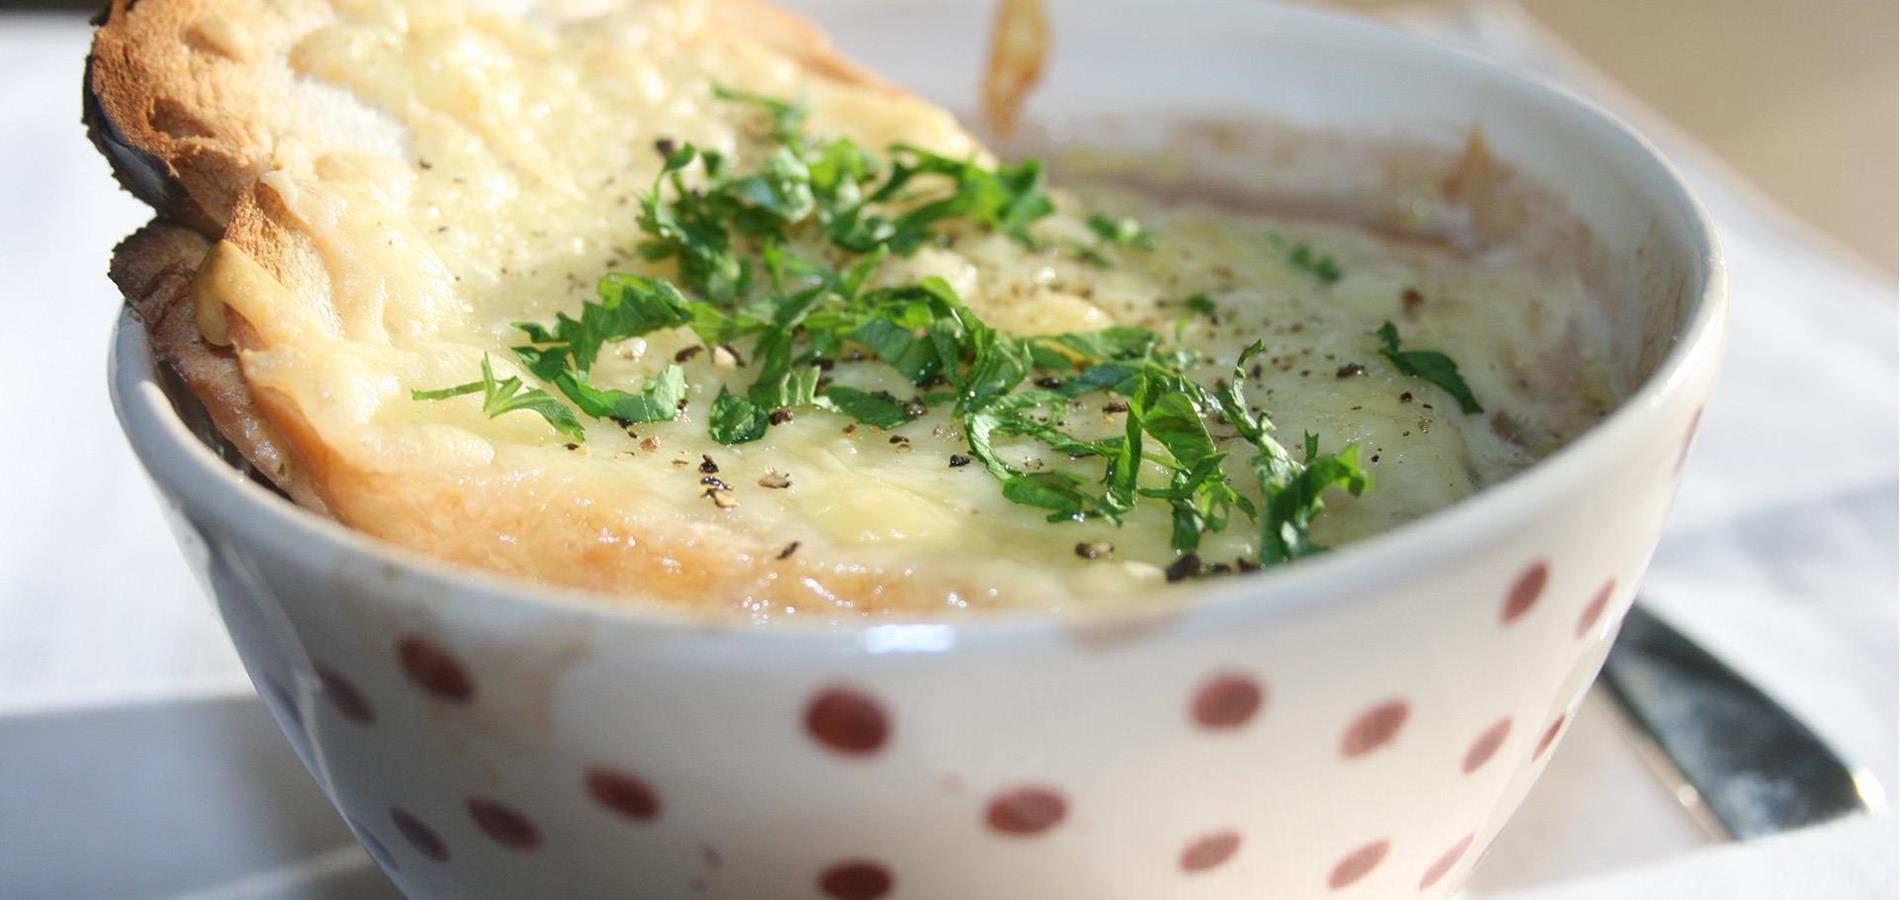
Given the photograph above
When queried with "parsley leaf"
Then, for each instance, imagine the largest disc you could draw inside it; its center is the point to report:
(787, 117)
(1007, 198)
(659, 402)
(1201, 304)
(1113, 344)
(508, 395)
(736, 420)
(782, 189)
(1122, 232)
(1305, 259)
(1059, 492)
(1321, 267)
(630, 306)
(1430, 365)
(692, 229)
(1287, 515)
(1290, 491)
(878, 409)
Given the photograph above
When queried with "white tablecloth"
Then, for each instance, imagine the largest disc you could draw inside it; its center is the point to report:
(1780, 556)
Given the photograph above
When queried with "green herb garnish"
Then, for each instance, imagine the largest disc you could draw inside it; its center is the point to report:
(508, 395)
(1291, 491)
(1430, 365)
(1304, 258)
(1122, 232)
(878, 409)
(736, 420)
(729, 234)
(1321, 267)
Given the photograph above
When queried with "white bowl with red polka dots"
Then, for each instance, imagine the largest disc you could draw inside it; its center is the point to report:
(1360, 724)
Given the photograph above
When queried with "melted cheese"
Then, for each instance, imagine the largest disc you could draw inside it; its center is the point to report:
(495, 180)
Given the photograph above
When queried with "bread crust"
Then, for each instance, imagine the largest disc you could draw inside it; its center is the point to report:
(170, 101)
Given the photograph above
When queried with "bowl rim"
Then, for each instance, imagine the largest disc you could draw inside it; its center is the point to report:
(178, 461)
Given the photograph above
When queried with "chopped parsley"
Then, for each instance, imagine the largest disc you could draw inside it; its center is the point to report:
(1304, 258)
(728, 235)
(508, 395)
(1430, 365)
(736, 420)
(878, 409)
(1122, 232)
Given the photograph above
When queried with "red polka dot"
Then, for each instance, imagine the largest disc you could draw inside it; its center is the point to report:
(420, 835)
(856, 880)
(344, 696)
(1374, 728)
(1026, 811)
(1593, 610)
(1357, 864)
(1446, 862)
(504, 824)
(1549, 737)
(1209, 850)
(1487, 744)
(435, 670)
(624, 794)
(1688, 440)
(1525, 591)
(1227, 701)
(847, 721)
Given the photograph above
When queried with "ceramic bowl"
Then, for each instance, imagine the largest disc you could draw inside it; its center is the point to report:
(1361, 723)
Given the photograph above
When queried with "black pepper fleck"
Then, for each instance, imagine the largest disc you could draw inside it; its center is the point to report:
(790, 549)
(1405, 397)
(1094, 549)
(665, 146)
(958, 460)
(687, 353)
(1349, 370)
(1188, 566)
(779, 416)
(712, 481)
(707, 465)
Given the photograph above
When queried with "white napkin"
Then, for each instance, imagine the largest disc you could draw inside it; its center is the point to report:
(1851, 859)
(1780, 556)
